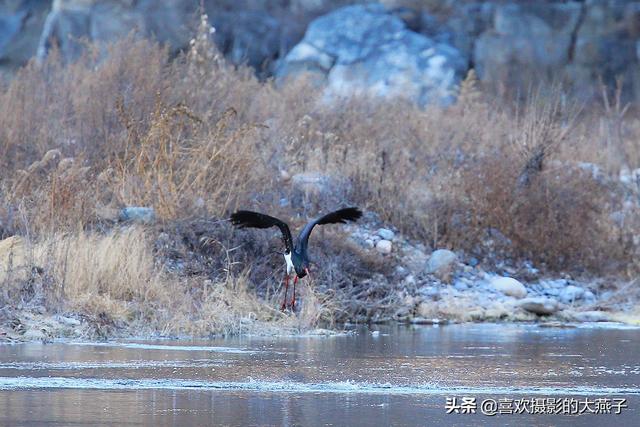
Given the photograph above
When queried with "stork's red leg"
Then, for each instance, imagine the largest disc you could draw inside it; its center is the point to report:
(286, 289)
(293, 299)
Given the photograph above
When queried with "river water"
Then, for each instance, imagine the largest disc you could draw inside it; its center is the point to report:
(400, 375)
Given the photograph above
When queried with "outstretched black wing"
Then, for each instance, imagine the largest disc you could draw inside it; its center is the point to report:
(340, 216)
(245, 219)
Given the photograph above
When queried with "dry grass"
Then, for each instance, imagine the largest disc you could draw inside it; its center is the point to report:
(194, 137)
(112, 280)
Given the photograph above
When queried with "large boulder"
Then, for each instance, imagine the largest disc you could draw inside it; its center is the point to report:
(509, 286)
(442, 263)
(541, 306)
(363, 49)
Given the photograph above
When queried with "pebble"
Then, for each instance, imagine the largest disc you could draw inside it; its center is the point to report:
(400, 270)
(410, 280)
(384, 247)
(386, 234)
(461, 286)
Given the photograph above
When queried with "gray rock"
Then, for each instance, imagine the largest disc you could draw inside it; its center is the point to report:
(312, 183)
(430, 292)
(67, 321)
(591, 316)
(571, 294)
(589, 297)
(579, 41)
(34, 334)
(552, 287)
(410, 280)
(461, 286)
(415, 259)
(533, 36)
(21, 23)
(464, 25)
(509, 286)
(71, 21)
(606, 295)
(245, 36)
(363, 49)
(552, 292)
(605, 44)
(442, 262)
(384, 247)
(539, 305)
(137, 214)
(557, 283)
(386, 234)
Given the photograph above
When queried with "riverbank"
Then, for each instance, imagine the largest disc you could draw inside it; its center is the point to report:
(150, 280)
(118, 172)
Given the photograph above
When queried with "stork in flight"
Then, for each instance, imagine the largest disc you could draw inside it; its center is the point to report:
(296, 256)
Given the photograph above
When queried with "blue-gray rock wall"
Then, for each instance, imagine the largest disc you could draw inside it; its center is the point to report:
(386, 49)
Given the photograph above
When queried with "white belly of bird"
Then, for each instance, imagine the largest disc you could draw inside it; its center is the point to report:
(287, 258)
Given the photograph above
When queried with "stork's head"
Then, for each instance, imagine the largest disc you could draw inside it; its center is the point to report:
(299, 264)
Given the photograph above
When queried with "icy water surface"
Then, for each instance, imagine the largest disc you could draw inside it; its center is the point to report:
(395, 376)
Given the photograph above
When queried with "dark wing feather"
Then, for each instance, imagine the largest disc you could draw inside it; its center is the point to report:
(248, 219)
(340, 216)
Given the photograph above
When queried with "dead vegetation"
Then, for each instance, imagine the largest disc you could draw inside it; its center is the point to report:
(195, 138)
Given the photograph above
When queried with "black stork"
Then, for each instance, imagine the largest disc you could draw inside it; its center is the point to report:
(296, 256)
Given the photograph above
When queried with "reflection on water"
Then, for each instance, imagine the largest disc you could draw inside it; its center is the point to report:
(401, 376)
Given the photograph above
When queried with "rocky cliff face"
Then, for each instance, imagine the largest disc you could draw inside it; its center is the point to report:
(70, 22)
(386, 49)
(575, 42)
(21, 24)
